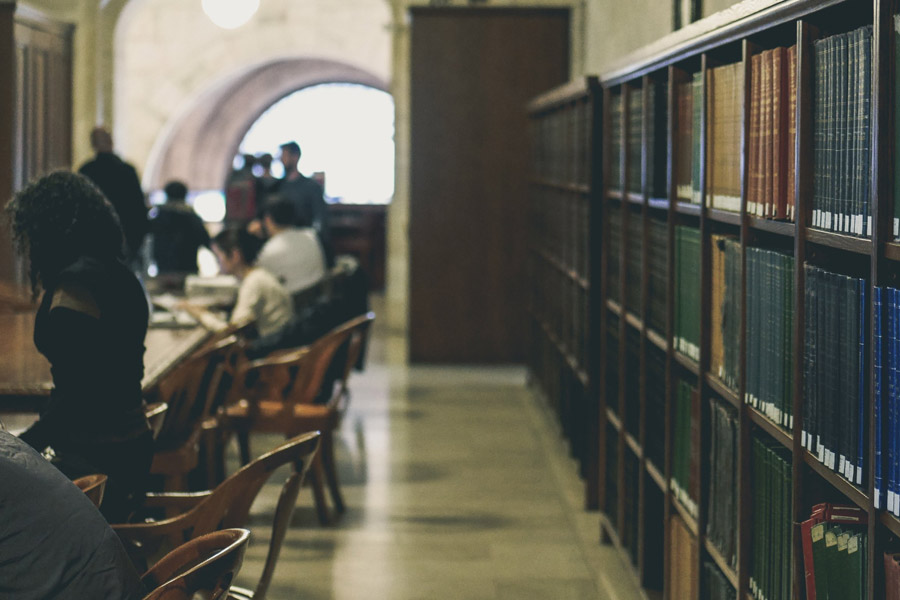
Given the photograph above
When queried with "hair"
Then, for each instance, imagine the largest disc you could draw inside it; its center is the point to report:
(101, 140)
(175, 190)
(58, 218)
(238, 238)
(264, 160)
(292, 147)
(281, 210)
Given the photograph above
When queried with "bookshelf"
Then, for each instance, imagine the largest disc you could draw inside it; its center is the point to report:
(565, 125)
(665, 208)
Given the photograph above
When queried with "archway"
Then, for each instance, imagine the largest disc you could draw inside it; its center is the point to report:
(198, 146)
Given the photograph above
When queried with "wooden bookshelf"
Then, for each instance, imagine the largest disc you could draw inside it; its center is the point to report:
(562, 259)
(629, 195)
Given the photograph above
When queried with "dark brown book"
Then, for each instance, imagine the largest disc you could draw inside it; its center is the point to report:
(764, 207)
(684, 141)
(754, 151)
(779, 134)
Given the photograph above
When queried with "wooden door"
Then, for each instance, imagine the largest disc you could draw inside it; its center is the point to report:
(472, 73)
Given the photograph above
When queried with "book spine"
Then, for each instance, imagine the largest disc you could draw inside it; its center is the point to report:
(876, 429)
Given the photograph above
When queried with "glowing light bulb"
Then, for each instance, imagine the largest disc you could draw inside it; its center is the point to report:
(229, 14)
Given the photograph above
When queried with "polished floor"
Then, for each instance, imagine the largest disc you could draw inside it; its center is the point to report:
(458, 486)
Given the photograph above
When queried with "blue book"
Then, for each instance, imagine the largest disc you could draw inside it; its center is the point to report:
(888, 445)
(862, 382)
(892, 433)
(876, 429)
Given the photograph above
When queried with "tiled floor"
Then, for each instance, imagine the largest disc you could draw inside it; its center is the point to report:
(458, 486)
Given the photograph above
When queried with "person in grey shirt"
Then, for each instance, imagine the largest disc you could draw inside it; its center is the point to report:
(54, 543)
(292, 253)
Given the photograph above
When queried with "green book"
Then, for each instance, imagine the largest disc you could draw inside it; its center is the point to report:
(855, 567)
(817, 533)
(697, 90)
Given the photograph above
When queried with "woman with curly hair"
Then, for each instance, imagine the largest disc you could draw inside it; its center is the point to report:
(90, 325)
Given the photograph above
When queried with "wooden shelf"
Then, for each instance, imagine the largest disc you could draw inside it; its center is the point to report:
(570, 359)
(689, 520)
(571, 274)
(614, 307)
(784, 228)
(613, 418)
(656, 476)
(723, 390)
(688, 208)
(720, 561)
(657, 340)
(635, 198)
(575, 188)
(766, 424)
(634, 320)
(658, 203)
(839, 241)
(837, 482)
(688, 363)
(892, 251)
(889, 521)
(634, 445)
(724, 216)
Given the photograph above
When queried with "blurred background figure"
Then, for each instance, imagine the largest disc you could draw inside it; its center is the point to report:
(177, 233)
(240, 193)
(119, 182)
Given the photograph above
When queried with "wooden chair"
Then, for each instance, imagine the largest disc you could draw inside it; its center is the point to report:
(93, 487)
(282, 400)
(205, 565)
(156, 415)
(190, 393)
(226, 506)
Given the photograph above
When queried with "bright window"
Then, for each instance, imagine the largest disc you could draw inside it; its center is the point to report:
(344, 130)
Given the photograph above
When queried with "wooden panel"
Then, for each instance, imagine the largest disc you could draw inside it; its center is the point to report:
(35, 111)
(472, 73)
(7, 112)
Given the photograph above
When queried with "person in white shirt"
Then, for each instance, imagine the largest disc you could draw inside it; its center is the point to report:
(293, 254)
(261, 297)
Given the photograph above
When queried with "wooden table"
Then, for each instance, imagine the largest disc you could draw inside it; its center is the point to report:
(25, 374)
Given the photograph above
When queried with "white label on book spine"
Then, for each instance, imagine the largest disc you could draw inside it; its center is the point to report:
(877, 497)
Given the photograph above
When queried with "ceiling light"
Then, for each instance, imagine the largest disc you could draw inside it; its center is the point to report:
(229, 14)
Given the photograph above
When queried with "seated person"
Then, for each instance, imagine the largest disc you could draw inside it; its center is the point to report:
(292, 254)
(53, 542)
(261, 297)
(178, 232)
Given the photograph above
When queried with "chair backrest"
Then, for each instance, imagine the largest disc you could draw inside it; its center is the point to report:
(205, 565)
(93, 487)
(189, 390)
(226, 506)
(156, 416)
(359, 330)
(321, 353)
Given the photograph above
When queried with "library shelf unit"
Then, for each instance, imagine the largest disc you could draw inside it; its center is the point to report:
(702, 313)
(565, 125)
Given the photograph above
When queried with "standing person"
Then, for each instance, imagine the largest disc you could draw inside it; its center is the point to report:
(119, 182)
(292, 254)
(90, 325)
(266, 183)
(178, 232)
(261, 297)
(308, 197)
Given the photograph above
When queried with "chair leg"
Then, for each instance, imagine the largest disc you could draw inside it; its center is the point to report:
(327, 452)
(243, 437)
(316, 476)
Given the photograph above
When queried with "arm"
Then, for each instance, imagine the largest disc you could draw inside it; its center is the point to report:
(73, 320)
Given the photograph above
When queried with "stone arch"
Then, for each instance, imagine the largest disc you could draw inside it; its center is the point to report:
(199, 145)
